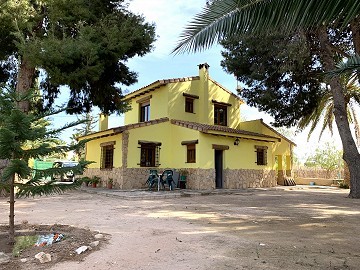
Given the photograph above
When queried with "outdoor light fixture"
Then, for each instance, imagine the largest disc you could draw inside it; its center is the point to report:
(237, 141)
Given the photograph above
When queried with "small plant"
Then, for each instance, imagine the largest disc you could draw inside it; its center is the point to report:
(343, 185)
(110, 183)
(86, 180)
(95, 180)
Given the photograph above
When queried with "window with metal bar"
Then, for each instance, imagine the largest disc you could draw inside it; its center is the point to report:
(107, 157)
(220, 115)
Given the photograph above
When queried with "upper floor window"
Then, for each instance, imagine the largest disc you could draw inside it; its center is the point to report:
(189, 105)
(145, 111)
(107, 155)
(189, 102)
(261, 155)
(220, 115)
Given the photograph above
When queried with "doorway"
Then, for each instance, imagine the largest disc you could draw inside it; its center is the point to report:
(219, 168)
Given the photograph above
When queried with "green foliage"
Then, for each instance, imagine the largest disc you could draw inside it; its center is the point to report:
(344, 185)
(84, 129)
(95, 180)
(223, 18)
(278, 73)
(81, 44)
(24, 242)
(327, 157)
(17, 131)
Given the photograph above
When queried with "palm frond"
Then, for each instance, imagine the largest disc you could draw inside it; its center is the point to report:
(229, 17)
(352, 64)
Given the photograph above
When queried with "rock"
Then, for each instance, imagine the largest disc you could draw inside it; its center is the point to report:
(81, 249)
(43, 257)
(23, 260)
(94, 244)
(99, 236)
(4, 258)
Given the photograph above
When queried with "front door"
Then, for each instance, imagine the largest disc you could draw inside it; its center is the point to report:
(219, 168)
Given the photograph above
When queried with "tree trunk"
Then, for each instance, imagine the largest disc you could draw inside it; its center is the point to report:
(25, 82)
(12, 211)
(351, 154)
(346, 174)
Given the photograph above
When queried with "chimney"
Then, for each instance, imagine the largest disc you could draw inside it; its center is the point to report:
(103, 122)
(204, 116)
(204, 71)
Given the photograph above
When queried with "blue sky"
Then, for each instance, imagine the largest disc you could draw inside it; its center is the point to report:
(170, 18)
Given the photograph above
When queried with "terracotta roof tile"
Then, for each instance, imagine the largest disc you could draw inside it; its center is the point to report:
(205, 128)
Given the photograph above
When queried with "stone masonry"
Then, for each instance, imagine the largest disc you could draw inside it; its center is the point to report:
(135, 178)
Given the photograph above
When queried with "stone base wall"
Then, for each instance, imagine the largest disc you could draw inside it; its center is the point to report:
(116, 174)
(135, 178)
(242, 179)
(200, 179)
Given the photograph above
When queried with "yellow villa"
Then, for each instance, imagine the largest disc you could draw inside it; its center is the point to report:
(192, 124)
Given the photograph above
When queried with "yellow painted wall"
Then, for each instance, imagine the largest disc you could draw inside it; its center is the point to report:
(93, 150)
(177, 100)
(242, 156)
(158, 106)
(282, 148)
(172, 153)
(168, 101)
(220, 95)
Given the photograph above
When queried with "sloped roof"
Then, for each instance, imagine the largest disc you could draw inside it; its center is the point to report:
(206, 128)
(157, 84)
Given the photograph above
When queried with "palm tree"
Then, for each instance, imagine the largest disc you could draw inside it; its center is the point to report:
(325, 109)
(222, 18)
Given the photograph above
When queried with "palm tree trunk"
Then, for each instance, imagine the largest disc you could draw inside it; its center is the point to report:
(346, 174)
(351, 154)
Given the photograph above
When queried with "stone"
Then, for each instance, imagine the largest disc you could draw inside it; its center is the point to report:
(23, 260)
(81, 249)
(99, 236)
(94, 244)
(4, 258)
(43, 257)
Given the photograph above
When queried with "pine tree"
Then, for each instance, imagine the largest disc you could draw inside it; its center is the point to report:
(17, 129)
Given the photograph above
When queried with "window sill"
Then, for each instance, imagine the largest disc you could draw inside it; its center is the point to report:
(106, 169)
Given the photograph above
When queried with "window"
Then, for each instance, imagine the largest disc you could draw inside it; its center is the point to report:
(220, 115)
(189, 105)
(189, 102)
(107, 155)
(190, 150)
(261, 155)
(149, 154)
(145, 111)
(191, 153)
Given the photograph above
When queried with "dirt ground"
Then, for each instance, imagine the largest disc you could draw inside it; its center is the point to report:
(254, 229)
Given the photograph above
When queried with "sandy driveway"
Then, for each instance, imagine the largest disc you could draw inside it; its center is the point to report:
(254, 229)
